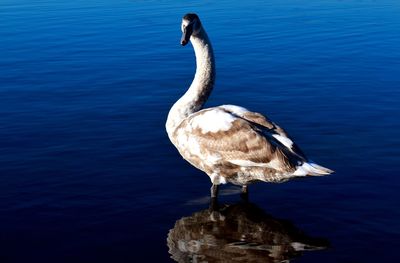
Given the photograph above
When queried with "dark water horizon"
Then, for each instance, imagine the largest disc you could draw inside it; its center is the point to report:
(87, 173)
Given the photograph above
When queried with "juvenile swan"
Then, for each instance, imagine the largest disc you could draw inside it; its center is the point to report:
(229, 143)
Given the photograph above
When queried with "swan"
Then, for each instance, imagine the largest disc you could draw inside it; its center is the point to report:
(229, 143)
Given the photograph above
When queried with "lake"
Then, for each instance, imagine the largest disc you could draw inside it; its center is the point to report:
(87, 173)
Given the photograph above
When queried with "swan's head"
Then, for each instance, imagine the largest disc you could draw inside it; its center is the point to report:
(190, 26)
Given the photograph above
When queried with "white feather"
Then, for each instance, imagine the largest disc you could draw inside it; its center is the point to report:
(217, 179)
(311, 169)
(239, 111)
(214, 120)
(274, 164)
(284, 140)
(213, 159)
(246, 163)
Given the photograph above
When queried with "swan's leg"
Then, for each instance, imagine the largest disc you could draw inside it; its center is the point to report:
(245, 193)
(214, 191)
(214, 204)
(214, 201)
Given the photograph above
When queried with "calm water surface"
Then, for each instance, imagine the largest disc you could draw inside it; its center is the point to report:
(87, 173)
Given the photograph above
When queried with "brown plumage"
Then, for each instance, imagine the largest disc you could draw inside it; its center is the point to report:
(224, 152)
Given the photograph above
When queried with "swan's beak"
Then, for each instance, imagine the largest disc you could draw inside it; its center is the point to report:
(187, 32)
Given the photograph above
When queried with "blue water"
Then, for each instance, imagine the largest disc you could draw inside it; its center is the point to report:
(87, 173)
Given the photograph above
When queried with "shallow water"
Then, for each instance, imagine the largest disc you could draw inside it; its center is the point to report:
(87, 173)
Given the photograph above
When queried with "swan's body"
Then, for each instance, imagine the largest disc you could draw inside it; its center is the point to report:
(229, 143)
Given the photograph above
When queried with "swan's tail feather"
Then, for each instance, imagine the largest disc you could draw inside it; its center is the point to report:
(320, 170)
(313, 169)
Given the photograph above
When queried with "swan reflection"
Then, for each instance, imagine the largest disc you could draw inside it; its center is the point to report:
(237, 233)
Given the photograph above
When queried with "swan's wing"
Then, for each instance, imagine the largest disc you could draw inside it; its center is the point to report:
(216, 139)
(270, 128)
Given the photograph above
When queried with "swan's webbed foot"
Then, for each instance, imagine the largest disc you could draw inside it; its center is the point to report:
(245, 193)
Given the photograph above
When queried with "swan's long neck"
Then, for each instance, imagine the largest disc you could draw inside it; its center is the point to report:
(201, 87)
